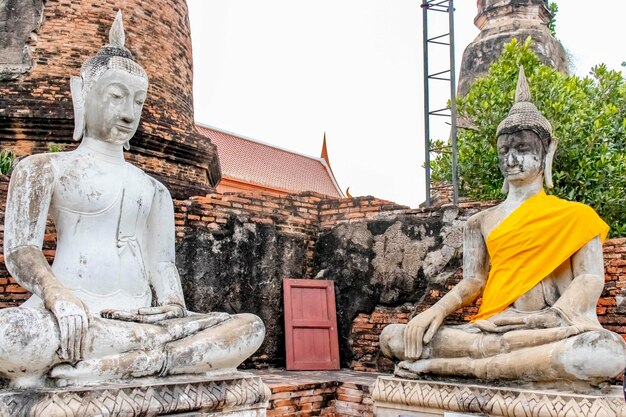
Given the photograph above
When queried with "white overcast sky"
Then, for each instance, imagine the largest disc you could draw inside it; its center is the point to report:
(286, 71)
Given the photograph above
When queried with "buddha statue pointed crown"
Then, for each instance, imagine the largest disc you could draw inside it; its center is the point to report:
(111, 56)
(524, 114)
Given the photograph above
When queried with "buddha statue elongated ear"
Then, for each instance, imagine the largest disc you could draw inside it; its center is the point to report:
(547, 167)
(78, 100)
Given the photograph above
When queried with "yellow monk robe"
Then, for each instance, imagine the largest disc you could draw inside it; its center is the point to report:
(531, 243)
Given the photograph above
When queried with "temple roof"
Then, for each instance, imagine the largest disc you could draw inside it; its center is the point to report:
(253, 162)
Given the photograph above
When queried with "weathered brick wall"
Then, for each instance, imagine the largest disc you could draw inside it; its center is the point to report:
(301, 214)
(336, 211)
(390, 266)
(36, 107)
(235, 249)
(291, 214)
(611, 309)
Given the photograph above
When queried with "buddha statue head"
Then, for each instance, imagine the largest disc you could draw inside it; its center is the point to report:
(108, 95)
(530, 133)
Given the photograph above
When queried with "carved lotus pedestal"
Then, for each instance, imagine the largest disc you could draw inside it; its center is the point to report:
(235, 395)
(395, 397)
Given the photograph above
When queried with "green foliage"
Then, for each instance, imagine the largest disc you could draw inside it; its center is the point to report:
(441, 163)
(554, 8)
(6, 162)
(588, 117)
(55, 147)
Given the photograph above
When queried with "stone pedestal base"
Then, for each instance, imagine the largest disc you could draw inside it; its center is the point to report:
(395, 397)
(235, 395)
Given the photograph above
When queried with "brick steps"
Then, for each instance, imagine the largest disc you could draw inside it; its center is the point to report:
(319, 393)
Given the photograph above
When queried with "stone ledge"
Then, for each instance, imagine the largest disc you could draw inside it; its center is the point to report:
(393, 396)
(233, 395)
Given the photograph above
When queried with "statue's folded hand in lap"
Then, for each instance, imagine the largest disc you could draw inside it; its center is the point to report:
(111, 305)
(537, 320)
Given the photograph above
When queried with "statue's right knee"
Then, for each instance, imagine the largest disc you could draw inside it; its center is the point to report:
(28, 340)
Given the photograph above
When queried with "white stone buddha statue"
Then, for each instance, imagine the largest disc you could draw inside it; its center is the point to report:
(111, 305)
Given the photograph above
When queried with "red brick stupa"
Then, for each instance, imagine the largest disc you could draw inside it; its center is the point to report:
(42, 44)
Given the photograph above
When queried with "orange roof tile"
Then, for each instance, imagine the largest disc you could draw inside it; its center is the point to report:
(248, 160)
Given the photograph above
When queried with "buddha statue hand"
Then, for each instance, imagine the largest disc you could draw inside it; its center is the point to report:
(421, 329)
(547, 318)
(72, 317)
(147, 314)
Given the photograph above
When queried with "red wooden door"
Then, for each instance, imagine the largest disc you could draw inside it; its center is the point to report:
(310, 325)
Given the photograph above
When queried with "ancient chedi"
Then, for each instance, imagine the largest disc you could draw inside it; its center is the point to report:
(42, 41)
(536, 261)
(111, 305)
(500, 21)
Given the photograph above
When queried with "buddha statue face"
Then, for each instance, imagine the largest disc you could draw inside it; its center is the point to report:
(113, 106)
(525, 145)
(521, 156)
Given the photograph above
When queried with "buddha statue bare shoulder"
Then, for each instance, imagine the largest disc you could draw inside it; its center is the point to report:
(536, 261)
(111, 305)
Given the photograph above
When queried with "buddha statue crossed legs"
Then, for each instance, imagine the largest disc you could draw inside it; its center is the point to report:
(111, 305)
(536, 261)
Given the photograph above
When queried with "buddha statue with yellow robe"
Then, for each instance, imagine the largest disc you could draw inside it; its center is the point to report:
(536, 261)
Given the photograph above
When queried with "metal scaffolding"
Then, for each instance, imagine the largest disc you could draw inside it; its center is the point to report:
(447, 75)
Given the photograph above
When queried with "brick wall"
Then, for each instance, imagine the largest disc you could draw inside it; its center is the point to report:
(611, 309)
(292, 214)
(354, 400)
(249, 242)
(302, 214)
(335, 211)
(330, 399)
(314, 399)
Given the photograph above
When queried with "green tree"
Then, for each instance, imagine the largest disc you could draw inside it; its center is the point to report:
(588, 117)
